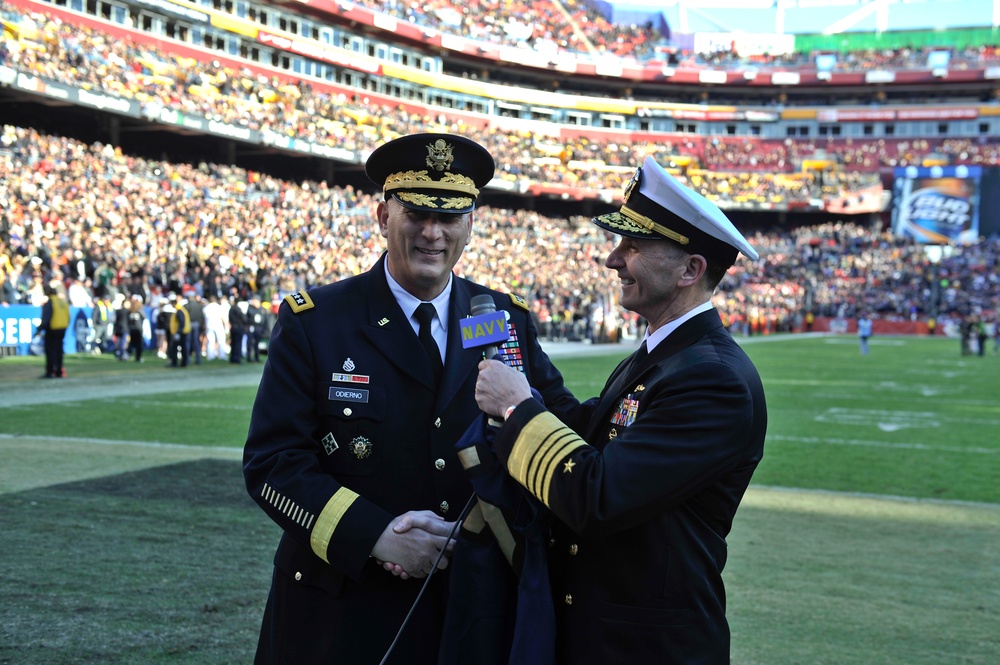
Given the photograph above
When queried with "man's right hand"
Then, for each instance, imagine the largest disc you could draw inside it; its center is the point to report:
(411, 543)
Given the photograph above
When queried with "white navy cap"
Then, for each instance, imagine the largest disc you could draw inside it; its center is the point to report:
(657, 206)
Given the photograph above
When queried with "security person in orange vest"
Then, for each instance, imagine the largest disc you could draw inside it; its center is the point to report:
(180, 332)
(55, 320)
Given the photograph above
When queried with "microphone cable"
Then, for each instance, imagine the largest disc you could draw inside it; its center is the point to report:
(451, 536)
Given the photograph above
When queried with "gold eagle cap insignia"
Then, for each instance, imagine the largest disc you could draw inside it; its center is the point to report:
(633, 183)
(439, 155)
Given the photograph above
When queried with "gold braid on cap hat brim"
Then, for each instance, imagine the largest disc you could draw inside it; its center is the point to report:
(428, 201)
(650, 225)
(452, 182)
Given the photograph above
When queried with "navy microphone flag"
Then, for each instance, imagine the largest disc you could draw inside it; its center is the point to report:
(487, 327)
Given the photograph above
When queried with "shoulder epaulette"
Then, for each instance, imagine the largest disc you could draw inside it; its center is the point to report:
(299, 301)
(519, 301)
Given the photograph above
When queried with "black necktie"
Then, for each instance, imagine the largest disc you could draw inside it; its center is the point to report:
(640, 355)
(424, 315)
(637, 358)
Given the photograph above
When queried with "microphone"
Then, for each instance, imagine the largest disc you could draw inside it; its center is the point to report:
(486, 327)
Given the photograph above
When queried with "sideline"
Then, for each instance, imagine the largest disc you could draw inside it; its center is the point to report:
(98, 387)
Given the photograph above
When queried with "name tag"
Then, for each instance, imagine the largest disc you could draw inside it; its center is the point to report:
(348, 395)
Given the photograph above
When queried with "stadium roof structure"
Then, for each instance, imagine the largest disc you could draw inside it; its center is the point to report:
(806, 16)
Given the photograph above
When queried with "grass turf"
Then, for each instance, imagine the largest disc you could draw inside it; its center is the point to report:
(142, 558)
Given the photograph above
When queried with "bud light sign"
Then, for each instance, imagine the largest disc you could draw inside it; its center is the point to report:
(937, 205)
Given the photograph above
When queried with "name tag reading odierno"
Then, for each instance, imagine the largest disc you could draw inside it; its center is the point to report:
(348, 395)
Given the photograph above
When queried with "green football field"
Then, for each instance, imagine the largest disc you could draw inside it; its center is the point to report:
(870, 534)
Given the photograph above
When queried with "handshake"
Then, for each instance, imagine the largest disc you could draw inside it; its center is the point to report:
(411, 544)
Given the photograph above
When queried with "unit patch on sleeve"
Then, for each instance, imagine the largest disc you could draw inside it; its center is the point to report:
(299, 301)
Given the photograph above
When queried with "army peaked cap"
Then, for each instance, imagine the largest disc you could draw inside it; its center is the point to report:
(440, 173)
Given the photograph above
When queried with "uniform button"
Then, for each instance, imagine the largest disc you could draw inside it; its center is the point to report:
(573, 549)
(437, 423)
(569, 599)
(444, 506)
(348, 411)
(298, 577)
(552, 542)
(439, 464)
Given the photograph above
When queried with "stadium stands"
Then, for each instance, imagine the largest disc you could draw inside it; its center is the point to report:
(86, 211)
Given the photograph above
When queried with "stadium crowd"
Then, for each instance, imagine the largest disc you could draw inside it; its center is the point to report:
(574, 27)
(546, 27)
(105, 224)
(78, 56)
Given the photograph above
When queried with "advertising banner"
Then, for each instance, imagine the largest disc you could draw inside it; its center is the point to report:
(19, 330)
(938, 205)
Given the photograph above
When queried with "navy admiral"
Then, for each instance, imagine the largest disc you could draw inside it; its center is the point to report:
(645, 480)
(365, 391)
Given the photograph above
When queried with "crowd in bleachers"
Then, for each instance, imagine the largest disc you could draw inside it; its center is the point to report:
(770, 155)
(573, 26)
(82, 57)
(865, 60)
(104, 223)
(544, 26)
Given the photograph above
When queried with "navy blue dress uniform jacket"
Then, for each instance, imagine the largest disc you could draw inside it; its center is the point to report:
(645, 481)
(347, 432)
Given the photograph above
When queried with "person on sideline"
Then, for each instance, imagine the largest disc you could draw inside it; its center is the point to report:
(196, 311)
(180, 333)
(237, 330)
(864, 332)
(136, 323)
(645, 480)
(365, 390)
(55, 321)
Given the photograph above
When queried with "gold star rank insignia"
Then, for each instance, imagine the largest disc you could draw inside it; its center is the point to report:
(568, 466)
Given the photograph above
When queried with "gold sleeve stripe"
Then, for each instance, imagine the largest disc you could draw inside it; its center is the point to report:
(286, 506)
(328, 520)
(541, 445)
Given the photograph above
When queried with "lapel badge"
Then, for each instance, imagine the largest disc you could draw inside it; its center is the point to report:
(361, 447)
(639, 388)
(612, 434)
(349, 365)
(383, 321)
(329, 443)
